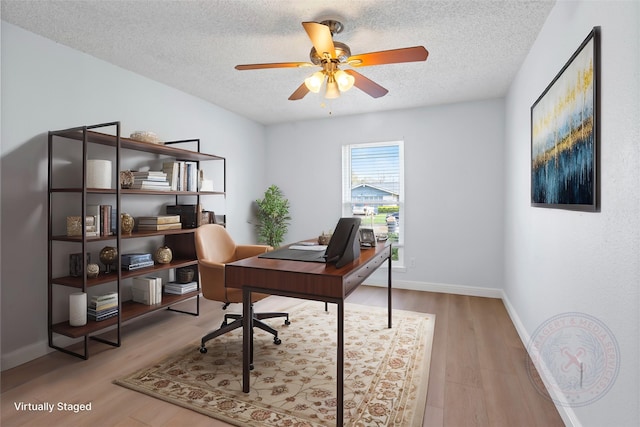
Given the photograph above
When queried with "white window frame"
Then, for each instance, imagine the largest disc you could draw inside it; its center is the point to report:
(347, 185)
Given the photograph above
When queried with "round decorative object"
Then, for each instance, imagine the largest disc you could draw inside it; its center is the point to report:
(108, 255)
(145, 136)
(126, 223)
(185, 275)
(93, 270)
(164, 255)
(126, 179)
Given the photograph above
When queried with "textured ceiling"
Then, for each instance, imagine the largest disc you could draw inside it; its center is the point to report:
(475, 47)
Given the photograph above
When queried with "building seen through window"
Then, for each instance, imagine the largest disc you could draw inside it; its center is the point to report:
(373, 187)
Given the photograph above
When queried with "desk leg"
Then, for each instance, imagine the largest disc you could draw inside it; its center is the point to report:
(246, 338)
(389, 290)
(340, 375)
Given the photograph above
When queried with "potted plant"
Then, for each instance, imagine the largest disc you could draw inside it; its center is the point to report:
(273, 217)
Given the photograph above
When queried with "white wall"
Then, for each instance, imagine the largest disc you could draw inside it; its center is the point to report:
(453, 184)
(47, 86)
(562, 261)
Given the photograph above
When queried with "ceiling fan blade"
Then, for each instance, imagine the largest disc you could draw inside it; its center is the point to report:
(407, 54)
(320, 36)
(367, 85)
(273, 65)
(299, 93)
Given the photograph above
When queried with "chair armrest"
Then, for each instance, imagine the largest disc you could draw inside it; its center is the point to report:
(247, 251)
(211, 265)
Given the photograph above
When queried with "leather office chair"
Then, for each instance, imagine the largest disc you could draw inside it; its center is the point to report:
(215, 248)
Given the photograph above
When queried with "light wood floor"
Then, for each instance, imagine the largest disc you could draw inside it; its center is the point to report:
(478, 373)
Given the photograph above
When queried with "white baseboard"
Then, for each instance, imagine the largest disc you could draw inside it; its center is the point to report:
(25, 354)
(443, 288)
(566, 413)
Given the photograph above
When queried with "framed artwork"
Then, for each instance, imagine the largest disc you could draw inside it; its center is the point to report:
(564, 134)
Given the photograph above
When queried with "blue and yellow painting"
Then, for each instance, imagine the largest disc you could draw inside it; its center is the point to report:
(563, 136)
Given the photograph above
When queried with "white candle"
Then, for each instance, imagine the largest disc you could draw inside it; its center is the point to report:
(78, 309)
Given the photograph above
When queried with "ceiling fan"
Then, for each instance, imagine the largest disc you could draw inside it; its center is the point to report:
(330, 55)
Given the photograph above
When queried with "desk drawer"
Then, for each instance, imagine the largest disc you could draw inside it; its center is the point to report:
(357, 277)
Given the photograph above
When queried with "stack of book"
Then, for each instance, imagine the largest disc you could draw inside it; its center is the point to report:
(182, 176)
(180, 288)
(150, 180)
(147, 290)
(102, 307)
(136, 260)
(159, 222)
(105, 219)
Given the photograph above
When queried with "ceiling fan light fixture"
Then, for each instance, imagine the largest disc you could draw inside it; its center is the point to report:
(345, 81)
(333, 91)
(314, 81)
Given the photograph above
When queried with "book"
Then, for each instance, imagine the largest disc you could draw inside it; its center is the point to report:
(102, 307)
(105, 217)
(159, 175)
(146, 290)
(180, 288)
(102, 316)
(143, 291)
(158, 219)
(157, 227)
(137, 265)
(105, 296)
(151, 186)
(172, 169)
(133, 258)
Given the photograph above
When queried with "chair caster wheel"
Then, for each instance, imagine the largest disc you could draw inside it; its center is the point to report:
(251, 367)
(203, 350)
(286, 322)
(277, 341)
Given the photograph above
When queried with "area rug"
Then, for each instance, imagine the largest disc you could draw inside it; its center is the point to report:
(386, 371)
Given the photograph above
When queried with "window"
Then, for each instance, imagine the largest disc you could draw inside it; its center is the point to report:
(373, 189)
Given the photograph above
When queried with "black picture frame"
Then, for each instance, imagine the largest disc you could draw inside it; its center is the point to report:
(565, 134)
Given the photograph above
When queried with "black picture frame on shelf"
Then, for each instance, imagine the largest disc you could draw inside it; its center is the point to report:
(565, 134)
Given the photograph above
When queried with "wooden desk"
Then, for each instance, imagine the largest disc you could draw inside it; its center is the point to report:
(307, 280)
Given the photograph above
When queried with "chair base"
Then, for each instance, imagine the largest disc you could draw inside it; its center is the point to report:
(237, 323)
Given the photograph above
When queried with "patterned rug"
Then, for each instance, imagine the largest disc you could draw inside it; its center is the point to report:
(386, 371)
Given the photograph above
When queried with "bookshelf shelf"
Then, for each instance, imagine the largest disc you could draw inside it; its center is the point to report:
(129, 311)
(67, 166)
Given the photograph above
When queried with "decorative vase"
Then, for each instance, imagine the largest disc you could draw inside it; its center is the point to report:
(126, 223)
(108, 255)
(93, 270)
(164, 255)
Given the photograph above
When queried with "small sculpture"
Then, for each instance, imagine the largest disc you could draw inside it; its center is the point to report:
(93, 270)
(126, 223)
(164, 255)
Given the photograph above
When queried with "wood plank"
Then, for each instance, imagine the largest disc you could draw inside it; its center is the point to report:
(462, 391)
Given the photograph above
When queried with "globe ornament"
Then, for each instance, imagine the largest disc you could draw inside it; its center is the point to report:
(108, 256)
